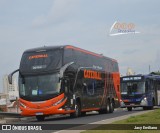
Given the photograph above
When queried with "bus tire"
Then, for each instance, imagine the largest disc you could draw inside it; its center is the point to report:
(111, 107)
(129, 108)
(151, 107)
(107, 107)
(40, 118)
(77, 111)
(153, 104)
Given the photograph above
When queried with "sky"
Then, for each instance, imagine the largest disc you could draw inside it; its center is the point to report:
(82, 23)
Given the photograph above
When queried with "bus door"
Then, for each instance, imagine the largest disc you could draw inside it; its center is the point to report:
(68, 90)
(89, 98)
(150, 91)
(87, 94)
(158, 92)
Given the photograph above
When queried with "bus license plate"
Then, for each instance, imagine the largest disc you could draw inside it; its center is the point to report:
(39, 113)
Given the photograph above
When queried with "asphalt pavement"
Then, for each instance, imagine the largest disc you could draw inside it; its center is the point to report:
(63, 123)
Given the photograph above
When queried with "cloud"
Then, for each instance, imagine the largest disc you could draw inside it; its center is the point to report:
(60, 11)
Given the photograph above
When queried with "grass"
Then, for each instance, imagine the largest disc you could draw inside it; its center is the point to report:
(147, 118)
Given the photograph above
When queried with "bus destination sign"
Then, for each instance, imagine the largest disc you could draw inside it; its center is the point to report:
(132, 78)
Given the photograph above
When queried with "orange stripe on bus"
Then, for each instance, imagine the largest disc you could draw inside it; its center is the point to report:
(84, 51)
(90, 109)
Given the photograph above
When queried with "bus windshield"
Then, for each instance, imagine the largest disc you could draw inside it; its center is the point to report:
(132, 88)
(39, 87)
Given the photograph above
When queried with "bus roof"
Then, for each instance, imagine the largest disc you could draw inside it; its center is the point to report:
(45, 48)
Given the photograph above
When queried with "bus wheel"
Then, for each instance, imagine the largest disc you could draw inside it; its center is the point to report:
(153, 104)
(40, 118)
(129, 108)
(111, 108)
(77, 111)
(108, 107)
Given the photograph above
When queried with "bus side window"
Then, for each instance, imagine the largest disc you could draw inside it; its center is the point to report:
(91, 88)
(146, 86)
(84, 88)
(78, 87)
(159, 85)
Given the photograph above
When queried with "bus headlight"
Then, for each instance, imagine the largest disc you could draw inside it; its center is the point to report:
(60, 101)
(122, 103)
(144, 102)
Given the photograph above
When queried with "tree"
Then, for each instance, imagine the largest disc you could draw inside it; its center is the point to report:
(155, 73)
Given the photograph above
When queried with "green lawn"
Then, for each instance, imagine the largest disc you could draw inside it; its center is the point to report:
(147, 118)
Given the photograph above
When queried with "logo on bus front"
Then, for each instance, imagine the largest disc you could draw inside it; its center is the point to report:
(38, 56)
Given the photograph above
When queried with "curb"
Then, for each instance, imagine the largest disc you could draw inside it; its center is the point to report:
(11, 119)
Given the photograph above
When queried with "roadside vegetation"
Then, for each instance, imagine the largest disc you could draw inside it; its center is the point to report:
(146, 118)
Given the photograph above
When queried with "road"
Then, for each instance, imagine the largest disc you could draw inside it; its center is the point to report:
(89, 118)
(64, 121)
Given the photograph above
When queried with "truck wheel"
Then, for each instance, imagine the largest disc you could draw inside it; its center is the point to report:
(77, 111)
(129, 108)
(40, 117)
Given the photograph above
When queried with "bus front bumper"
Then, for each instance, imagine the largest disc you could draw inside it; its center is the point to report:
(49, 107)
(44, 111)
(142, 103)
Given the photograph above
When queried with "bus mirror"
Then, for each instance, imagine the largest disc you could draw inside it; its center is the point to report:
(84, 88)
(84, 84)
(10, 76)
(70, 75)
(62, 70)
(65, 81)
(66, 85)
(60, 79)
(23, 80)
(10, 79)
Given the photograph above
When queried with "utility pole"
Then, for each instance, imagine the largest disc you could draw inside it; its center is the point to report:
(149, 69)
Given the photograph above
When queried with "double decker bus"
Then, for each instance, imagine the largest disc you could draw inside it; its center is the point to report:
(140, 91)
(66, 80)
